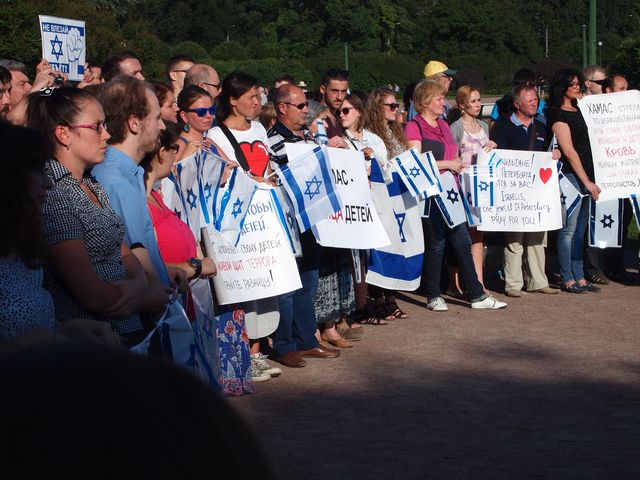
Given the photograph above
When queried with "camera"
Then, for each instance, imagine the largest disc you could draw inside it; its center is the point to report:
(58, 81)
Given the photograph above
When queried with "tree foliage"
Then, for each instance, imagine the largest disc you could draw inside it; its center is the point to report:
(388, 40)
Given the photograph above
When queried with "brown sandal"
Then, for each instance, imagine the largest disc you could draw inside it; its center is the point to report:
(339, 342)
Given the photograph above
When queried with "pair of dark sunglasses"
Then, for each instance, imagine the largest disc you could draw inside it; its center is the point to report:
(344, 111)
(201, 112)
(299, 106)
(392, 106)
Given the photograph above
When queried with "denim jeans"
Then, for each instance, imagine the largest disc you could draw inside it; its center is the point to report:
(457, 238)
(571, 238)
(297, 326)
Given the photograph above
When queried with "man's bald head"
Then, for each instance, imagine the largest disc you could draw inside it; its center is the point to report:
(285, 91)
(204, 76)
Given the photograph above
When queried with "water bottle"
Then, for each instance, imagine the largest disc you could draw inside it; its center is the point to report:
(321, 136)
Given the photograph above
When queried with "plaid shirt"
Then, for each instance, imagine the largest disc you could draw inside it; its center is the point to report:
(69, 214)
(279, 135)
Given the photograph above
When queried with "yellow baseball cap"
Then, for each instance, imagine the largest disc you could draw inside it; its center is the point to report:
(434, 67)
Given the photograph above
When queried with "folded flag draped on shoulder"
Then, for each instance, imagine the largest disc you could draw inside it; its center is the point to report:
(231, 205)
(397, 266)
(450, 201)
(605, 223)
(570, 197)
(309, 183)
(417, 173)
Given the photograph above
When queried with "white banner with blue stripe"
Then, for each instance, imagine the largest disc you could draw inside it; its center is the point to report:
(308, 181)
(450, 201)
(417, 172)
(605, 223)
(397, 266)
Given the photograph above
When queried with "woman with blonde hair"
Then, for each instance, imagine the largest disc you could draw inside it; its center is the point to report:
(428, 132)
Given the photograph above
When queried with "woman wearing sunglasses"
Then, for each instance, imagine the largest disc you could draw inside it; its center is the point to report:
(90, 271)
(566, 122)
(381, 118)
(195, 116)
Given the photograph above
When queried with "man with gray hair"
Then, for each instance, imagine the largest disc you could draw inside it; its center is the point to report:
(205, 77)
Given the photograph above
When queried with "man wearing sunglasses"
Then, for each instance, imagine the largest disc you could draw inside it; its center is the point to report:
(205, 77)
(176, 71)
(295, 334)
(594, 76)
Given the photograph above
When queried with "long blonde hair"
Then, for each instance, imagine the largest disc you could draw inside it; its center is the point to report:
(375, 122)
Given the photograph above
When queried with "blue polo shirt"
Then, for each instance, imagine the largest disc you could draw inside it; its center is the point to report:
(511, 134)
(123, 179)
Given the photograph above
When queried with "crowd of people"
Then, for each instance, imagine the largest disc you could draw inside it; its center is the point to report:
(91, 251)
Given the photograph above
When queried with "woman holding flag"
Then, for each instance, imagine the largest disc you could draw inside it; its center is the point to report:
(429, 132)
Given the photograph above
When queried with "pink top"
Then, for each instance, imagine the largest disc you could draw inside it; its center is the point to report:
(175, 239)
(439, 138)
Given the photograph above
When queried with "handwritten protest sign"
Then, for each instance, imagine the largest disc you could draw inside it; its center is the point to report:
(527, 194)
(262, 264)
(64, 45)
(357, 224)
(613, 120)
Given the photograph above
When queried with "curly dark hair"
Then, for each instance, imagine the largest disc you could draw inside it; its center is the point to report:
(560, 84)
(23, 160)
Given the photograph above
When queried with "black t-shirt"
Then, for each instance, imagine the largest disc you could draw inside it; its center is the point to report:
(579, 137)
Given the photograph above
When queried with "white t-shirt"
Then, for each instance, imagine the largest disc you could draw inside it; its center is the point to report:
(253, 142)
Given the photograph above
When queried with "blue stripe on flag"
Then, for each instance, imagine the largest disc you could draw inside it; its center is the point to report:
(491, 186)
(326, 175)
(283, 221)
(620, 221)
(297, 193)
(225, 199)
(395, 266)
(592, 220)
(203, 202)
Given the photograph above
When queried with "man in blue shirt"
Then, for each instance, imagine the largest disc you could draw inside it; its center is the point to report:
(522, 131)
(132, 114)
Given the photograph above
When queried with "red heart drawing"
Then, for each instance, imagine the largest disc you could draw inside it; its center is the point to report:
(545, 174)
(257, 156)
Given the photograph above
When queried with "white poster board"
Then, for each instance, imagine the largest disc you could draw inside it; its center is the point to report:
(357, 224)
(527, 193)
(613, 120)
(64, 44)
(262, 264)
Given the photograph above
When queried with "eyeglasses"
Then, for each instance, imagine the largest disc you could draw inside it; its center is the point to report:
(174, 147)
(201, 112)
(97, 127)
(599, 82)
(299, 106)
(392, 106)
(344, 110)
(216, 86)
(180, 71)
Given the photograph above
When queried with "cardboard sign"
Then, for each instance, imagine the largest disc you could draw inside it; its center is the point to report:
(64, 45)
(262, 264)
(614, 133)
(356, 224)
(527, 193)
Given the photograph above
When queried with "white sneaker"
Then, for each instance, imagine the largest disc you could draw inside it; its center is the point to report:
(259, 363)
(437, 305)
(489, 303)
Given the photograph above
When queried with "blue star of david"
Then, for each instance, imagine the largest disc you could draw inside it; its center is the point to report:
(483, 186)
(563, 199)
(315, 183)
(191, 198)
(607, 221)
(207, 191)
(237, 208)
(400, 219)
(414, 172)
(56, 42)
(452, 195)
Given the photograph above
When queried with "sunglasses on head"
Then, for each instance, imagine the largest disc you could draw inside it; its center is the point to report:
(201, 112)
(392, 106)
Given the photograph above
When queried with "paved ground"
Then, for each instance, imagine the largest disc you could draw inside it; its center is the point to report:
(547, 388)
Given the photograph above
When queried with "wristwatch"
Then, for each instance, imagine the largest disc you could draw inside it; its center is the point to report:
(196, 264)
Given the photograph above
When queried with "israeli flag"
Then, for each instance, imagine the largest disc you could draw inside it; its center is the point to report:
(450, 201)
(232, 204)
(605, 223)
(210, 167)
(287, 216)
(397, 266)
(416, 174)
(478, 185)
(309, 183)
(180, 192)
(570, 197)
(207, 356)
